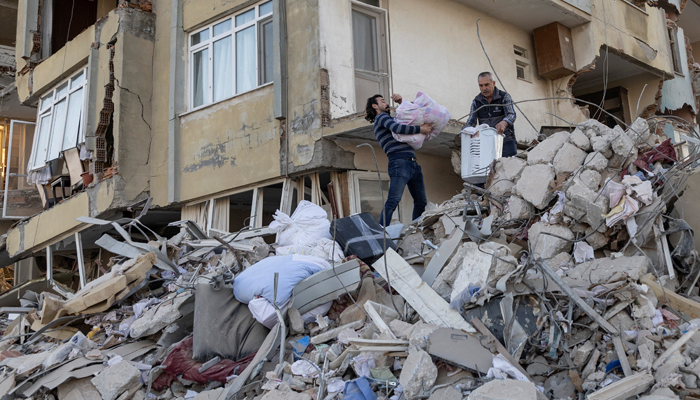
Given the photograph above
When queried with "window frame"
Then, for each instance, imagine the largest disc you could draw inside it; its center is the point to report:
(44, 111)
(257, 22)
(354, 179)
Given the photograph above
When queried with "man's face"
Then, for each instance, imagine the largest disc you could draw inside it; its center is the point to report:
(381, 106)
(486, 86)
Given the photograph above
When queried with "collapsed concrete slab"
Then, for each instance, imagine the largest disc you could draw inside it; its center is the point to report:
(507, 390)
(534, 185)
(544, 244)
(607, 270)
(418, 374)
(115, 380)
(545, 152)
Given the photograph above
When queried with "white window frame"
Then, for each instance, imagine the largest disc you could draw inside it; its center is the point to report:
(258, 21)
(356, 199)
(46, 108)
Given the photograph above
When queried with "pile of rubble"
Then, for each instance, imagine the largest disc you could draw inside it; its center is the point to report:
(571, 275)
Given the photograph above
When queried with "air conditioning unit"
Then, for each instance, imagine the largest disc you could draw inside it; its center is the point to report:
(478, 152)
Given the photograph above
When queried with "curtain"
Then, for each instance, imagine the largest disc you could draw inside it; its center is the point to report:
(245, 60)
(364, 33)
(200, 78)
(222, 207)
(223, 76)
(196, 213)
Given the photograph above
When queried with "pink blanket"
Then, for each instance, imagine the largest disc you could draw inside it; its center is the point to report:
(423, 110)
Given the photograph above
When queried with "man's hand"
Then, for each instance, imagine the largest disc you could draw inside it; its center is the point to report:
(501, 127)
(397, 98)
(426, 128)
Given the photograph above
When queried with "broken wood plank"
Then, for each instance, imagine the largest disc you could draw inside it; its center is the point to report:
(443, 255)
(385, 349)
(376, 342)
(576, 299)
(476, 322)
(624, 388)
(378, 321)
(675, 347)
(622, 356)
(427, 303)
(333, 333)
(670, 298)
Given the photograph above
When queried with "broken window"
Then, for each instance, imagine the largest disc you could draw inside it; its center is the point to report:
(616, 104)
(231, 56)
(20, 199)
(675, 51)
(366, 196)
(60, 120)
(369, 53)
(62, 21)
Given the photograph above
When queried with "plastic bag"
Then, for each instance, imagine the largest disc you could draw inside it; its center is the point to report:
(307, 225)
(423, 110)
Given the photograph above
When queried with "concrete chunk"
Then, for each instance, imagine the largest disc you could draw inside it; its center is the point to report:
(568, 159)
(78, 389)
(518, 208)
(296, 324)
(507, 390)
(275, 394)
(117, 379)
(596, 162)
(580, 139)
(590, 179)
(534, 185)
(418, 374)
(547, 246)
(606, 270)
(545, 152)
(602, 144)
(504, 175)
(482, 264)
(623, 144)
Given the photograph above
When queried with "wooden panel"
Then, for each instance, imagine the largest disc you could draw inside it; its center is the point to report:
(554, 50)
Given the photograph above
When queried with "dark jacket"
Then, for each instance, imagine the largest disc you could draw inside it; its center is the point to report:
(500, 109)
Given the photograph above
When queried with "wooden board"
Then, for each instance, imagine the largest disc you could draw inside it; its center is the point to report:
(668, 297)
(443, 255)
(324, 286)
(99, 294)
(427, 303)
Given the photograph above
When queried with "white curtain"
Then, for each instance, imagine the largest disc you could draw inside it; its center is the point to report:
(200, 77)
(223, 75)
(364, 32)
(245, 60)
(196, 213)
(221, 217)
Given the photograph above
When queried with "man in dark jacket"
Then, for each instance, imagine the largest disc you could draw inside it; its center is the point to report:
(494, 108)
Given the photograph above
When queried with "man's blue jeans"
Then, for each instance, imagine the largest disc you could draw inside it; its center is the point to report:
(510, 148)
(404, 172)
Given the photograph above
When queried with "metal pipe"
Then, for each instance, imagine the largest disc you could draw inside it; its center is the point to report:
(280, 319)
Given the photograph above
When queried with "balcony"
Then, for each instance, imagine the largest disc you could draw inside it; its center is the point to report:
(531, 14)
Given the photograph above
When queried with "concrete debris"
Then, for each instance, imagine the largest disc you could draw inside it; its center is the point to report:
(418, 374)
(514, 311)
(116, 379)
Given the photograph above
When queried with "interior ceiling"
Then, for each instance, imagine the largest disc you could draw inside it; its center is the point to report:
(526, 14)
(617, 68)
(440, 146)
(690, 21)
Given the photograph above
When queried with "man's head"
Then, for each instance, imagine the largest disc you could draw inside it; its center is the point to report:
(486, 84)
(375, 105)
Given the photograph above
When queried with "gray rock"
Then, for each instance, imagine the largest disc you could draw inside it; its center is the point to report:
(622, 144)
(117, 379)
(504, 174)
(690, 381)
(275, 394)
(568, 158)
(296, 323)
(534, 185)
(605, 270)
(581, 354)
(547, 246)
(661, 394)
(545, 152)
(669, 367)
(580, 140)
(518, 208)
(538, 366)
(507, 390)
(155, 319)
(445, 280)
(602, 144)
(418, 374)
(418, 339)
(590, 179)
(597, 240)
(78, 389)
(593, 128)
(446, 393)
(402, 330)
(561, 386)
(596, 162)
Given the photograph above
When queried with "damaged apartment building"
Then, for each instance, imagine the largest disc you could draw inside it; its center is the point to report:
(221, 112)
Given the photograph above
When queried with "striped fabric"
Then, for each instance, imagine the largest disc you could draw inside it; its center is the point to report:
(384, 125)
